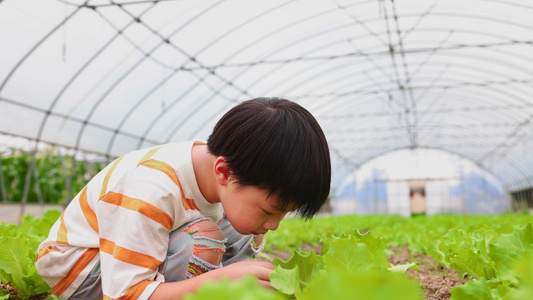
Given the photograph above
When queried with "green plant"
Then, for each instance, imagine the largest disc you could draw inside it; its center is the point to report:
(55, 178)
(18, 248)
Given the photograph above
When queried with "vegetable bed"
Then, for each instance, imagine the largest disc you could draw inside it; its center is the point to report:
(446, 256)
(344, 257)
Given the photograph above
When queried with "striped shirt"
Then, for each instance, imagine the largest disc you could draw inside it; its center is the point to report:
(123, 217)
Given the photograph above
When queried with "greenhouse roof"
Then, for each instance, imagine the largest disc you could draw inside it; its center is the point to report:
(110, 76)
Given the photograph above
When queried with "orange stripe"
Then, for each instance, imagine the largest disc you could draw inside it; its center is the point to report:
(62, 232)
(78, 267)
(129, 256)
(165, 168)
(106, 179)
(140, 206)
(150, 153)
(189, 204)
(133, 293)
(89, 214)
(42, 252)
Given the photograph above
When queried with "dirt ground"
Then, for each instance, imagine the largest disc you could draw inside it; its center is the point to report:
(437, 283)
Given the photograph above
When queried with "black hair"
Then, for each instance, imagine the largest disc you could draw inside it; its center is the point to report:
(276, 145)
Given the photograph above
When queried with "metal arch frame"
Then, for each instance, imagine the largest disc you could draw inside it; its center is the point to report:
(42, 40)
(86, 121)
(519, 172)
(249, 65)
(152, 2)
(359, 72)
(156, 119)
(182, 122)
(459, 154)
(200, 80)
(178, 99)
(127, 73)
(514, 125)
(351, 140)
(470, 158)
(325, 116)
(254, 63)
(190, 115)
(215, 93)
(202, 125)
(435, 132)
(513, 117)
(500, 178)
(116, 132)
(27, 180)
(445, 87)
(176, 128)
(41, 128)
(284, 61)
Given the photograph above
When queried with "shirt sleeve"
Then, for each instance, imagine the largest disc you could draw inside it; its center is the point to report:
(135, 219)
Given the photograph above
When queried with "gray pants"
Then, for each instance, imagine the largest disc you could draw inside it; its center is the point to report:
(182, 261)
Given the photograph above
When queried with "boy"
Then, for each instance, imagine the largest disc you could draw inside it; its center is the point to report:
(156, 223)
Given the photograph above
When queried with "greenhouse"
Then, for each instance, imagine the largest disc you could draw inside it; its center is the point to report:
(96, 79)
(427, 108)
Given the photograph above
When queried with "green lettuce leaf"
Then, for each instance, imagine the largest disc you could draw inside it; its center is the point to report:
(350, 254)
(524, 271)
(308, 262)
(372, 285)
(3, 295)
(345, 255)
(286, 281)
(8, 230)
(401, 269)
(17, 265)
(469, 261)
(475, 289)
(511, 247)
(376, 246)
(14, 263)
(226, 289)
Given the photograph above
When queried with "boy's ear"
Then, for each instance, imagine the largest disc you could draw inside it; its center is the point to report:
(222, 171)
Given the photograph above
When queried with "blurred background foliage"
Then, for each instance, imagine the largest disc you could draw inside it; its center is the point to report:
(54, 177)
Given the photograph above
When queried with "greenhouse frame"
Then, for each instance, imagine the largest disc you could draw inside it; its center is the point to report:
(90, 80)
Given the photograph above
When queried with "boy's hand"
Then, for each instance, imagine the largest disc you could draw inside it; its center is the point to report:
(259, 269)
(172, 290)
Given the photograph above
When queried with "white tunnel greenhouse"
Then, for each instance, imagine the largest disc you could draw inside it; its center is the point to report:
(399, 88)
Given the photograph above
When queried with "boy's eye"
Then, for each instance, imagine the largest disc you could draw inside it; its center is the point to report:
(267, 212)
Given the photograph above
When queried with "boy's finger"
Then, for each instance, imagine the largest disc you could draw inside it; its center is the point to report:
(263, 274)
(265, 264)
(266, 284)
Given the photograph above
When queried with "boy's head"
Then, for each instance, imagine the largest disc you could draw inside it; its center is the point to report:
(276, 145)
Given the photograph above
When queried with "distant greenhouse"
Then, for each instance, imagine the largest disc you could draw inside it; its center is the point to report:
(379, 190)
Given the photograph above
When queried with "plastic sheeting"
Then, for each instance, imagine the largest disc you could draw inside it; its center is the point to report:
(380, 75)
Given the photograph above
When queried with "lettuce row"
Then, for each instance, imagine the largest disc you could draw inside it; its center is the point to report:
(501, 265)
(351, 264)
(491, 250)
(18, 248)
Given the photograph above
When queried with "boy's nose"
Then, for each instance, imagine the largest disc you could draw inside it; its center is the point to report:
(271, 224)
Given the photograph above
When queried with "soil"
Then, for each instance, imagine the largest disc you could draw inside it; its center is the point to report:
(437, 283)
(8, 288)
